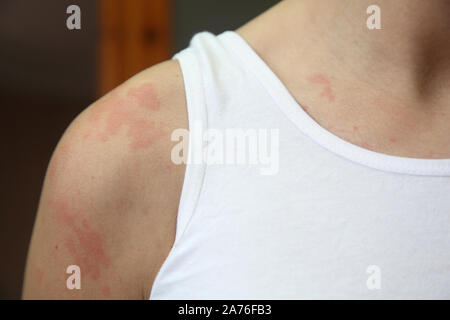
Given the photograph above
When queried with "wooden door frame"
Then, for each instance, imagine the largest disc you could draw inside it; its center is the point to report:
(134, 34)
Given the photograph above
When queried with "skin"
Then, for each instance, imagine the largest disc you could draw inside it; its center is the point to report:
(110, 197)
(392, 84)
(111, 193)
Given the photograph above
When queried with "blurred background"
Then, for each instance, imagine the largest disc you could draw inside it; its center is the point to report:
(49, 74)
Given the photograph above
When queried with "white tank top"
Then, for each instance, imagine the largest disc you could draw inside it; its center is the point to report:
(330, 220)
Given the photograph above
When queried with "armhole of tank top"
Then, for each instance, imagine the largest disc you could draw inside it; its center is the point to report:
(197, 120)
(195, 172)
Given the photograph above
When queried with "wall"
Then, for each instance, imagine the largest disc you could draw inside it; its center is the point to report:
(192, 16)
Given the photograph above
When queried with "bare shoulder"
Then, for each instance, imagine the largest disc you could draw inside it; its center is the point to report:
(111, 193)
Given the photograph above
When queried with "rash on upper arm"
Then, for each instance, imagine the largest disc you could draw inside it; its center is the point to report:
(127, 112)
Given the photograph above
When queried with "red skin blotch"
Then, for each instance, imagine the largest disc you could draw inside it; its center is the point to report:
(145, 97)
(106, 291)
(145, 211)
(129, 114)
(143, 134)
(366, 145)
(81, 240)
(39, 276)
(323, 80)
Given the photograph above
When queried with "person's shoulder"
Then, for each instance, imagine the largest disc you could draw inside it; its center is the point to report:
(111, 193)
(134, 121)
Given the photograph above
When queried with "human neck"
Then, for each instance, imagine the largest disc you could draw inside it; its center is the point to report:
(410, 54)
(393, 84)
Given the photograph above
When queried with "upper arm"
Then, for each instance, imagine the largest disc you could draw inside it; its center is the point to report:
(111, 192)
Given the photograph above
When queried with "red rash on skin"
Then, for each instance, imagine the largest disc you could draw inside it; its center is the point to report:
(119, 113)
(83, 241)
(145, 211)
(106, 291)
(144, 96)
(39, 275)
(322, 80)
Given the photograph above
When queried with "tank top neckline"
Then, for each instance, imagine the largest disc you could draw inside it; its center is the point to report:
(251, 61)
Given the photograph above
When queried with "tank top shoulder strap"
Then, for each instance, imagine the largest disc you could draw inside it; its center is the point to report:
(215, 82)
